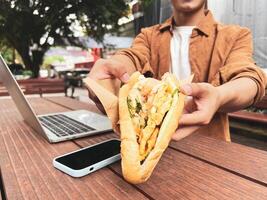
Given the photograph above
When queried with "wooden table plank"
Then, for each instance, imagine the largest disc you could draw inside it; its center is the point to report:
(29, 173)
(249, 116)
(236, 158)
(173, 175)
(5, 163)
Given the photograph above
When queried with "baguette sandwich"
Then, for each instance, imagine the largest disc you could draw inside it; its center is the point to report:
(149, 112)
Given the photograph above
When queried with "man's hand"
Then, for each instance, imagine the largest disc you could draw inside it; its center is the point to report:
(104, 69)
(198, 110)
(203, 105)
(109, 68)
(207, 99)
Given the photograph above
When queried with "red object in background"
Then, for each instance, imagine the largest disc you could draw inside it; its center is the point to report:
(96, 53)
(87, 65)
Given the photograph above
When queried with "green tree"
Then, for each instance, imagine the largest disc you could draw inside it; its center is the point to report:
(32, 26)
(7, 51)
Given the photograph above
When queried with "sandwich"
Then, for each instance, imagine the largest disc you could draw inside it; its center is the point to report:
(149, 112)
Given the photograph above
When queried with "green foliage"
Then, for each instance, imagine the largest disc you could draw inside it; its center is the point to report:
(32, 26)
(6, 51)
(27, 73)
(146, 3)
(49, 60)
(7, 54)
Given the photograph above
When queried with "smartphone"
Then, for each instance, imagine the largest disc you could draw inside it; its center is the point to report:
(89, 159)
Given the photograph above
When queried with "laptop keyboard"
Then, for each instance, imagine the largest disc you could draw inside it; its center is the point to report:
(62, 125)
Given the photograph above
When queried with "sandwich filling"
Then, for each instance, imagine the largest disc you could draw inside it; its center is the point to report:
(148, 102)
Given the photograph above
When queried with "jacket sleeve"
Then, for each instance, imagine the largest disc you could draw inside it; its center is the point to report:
(240, 63)
(140, 52)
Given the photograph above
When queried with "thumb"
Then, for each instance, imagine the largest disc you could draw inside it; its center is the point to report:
(124, 78)
(184, 131)
(192, 89)
(195, 118)
(120, 72)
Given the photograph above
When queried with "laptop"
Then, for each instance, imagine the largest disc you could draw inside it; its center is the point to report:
(54, 127)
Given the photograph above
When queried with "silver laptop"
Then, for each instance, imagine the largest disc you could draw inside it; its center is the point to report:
(54, 127)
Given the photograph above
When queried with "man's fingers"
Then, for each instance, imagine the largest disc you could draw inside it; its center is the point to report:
(184, 131)
(186, 89)
(125, 77)
(195, 118)
(105, 69)
(118, 71)
(189, 106)
(194, 89)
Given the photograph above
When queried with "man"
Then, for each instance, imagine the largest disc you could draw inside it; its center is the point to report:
(220, 57)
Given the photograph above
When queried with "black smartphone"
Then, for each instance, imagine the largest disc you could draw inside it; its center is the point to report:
(89, 159)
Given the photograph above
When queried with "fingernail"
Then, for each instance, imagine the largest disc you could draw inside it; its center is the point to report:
(187, 89)
(125, 78)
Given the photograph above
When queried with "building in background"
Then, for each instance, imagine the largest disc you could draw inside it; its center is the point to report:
(251, 14)
(68, 58)
(145, 16)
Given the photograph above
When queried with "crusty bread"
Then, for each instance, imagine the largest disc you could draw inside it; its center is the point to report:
(133, 170)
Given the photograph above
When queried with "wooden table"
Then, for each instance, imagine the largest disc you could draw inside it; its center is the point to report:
(196, 167)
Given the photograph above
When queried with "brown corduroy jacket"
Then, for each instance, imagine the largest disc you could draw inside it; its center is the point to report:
(217, 53)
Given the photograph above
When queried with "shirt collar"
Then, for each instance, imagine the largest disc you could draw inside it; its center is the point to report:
(205, 25)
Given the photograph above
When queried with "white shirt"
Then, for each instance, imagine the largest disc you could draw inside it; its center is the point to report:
(180, 65)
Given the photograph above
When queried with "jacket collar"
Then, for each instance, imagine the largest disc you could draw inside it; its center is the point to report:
(205, 26)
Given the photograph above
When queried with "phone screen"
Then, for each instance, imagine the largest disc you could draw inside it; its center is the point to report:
(91, 155)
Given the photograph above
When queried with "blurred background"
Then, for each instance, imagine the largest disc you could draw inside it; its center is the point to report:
(50, 46)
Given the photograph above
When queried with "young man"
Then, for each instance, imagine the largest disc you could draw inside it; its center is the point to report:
(220, 57)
